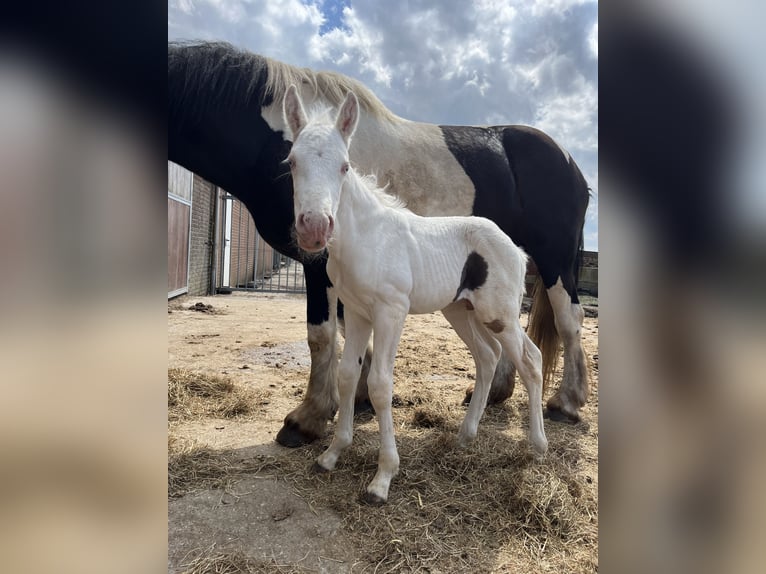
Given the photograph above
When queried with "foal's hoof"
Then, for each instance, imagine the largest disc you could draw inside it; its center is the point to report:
(558, 415)
(319, 469)
(372, 499)
(292, 435)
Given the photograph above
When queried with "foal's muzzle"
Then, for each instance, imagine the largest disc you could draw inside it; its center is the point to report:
(313, 230)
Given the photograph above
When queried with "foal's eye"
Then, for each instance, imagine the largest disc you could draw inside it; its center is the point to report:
(344, 168)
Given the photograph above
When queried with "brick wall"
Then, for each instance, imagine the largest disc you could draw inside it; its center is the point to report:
(202, 229)
(242, 245)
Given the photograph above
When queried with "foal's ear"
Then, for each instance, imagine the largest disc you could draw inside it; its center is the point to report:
(348, 117)
(295, 115)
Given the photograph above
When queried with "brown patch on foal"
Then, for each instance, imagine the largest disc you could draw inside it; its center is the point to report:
(495, 326)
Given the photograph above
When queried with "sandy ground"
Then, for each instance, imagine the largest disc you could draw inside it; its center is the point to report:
(260, 342)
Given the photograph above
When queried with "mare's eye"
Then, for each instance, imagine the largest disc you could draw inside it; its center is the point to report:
(344, 168)
(291, 162)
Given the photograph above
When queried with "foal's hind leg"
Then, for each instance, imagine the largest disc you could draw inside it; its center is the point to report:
(571, 396)
(485, 351)
(358, 329)
(528, 360)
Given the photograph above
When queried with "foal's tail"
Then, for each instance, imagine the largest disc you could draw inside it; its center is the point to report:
(542, 330)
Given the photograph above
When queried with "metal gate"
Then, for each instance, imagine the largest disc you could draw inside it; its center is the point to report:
(245, 262)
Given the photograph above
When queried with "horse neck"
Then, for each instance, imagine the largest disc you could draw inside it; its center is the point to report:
(374, 133)
(359, 210)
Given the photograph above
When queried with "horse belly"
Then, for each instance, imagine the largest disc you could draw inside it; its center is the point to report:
(436, 260)
(427, 298)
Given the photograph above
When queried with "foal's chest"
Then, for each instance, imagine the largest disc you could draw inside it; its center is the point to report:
(364, 284)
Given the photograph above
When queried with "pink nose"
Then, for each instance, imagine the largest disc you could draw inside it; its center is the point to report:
(313, 230)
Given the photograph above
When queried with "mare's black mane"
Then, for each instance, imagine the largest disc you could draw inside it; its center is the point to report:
(212, 75)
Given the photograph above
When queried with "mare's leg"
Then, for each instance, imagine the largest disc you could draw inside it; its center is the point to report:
(528, 360)
(485, 351)
(573, 392)
(503, 382)
(358, 330)
(387, 327)
(307, 422)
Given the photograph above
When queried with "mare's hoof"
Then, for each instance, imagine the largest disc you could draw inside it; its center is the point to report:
(372, 499)
(292, 435)
(319, 469)
(560, 416)
(363, 407)
(494, 398)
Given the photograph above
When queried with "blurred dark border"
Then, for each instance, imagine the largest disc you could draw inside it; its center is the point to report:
(682, 291)
(83, 418)
(681, 297)
(114, 50)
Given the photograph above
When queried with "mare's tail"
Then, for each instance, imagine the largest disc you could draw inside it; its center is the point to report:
(542, 331)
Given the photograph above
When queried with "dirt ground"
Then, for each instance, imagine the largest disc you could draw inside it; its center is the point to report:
(259, 342)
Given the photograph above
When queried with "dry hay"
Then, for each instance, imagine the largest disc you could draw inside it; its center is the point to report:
(195, 395)
(449, 509)
(235, 562)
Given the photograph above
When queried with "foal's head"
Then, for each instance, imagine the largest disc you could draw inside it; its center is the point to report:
(319, 163)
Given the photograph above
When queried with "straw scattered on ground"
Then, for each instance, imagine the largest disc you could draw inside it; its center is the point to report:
(196, 395)
(450, 509)
(210, 561)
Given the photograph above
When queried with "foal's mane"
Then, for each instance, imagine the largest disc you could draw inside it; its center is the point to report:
(370, 183)
(216, 75)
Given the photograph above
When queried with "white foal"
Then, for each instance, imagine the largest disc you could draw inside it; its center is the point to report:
(385, 262)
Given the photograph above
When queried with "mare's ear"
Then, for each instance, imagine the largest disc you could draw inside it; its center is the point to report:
(295, 115)
(348, 117)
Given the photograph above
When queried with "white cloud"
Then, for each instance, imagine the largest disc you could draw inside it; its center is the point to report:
(231, 11)
(450, 62)
(568, 117)
(357, 45)
(185, 6)
(543, 7)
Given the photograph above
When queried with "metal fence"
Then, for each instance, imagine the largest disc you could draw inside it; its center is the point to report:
(245, 262)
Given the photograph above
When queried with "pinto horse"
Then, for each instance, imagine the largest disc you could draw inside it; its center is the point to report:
(225, 123)
(385, 262)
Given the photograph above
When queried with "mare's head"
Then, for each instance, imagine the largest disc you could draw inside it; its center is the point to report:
(319, 163)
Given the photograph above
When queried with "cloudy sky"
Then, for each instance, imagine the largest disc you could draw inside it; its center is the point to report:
(531, 62)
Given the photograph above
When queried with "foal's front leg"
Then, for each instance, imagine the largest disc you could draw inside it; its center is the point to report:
(357, 334)
(388, 325)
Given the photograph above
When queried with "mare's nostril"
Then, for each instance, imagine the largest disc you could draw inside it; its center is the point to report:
(331, 224)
